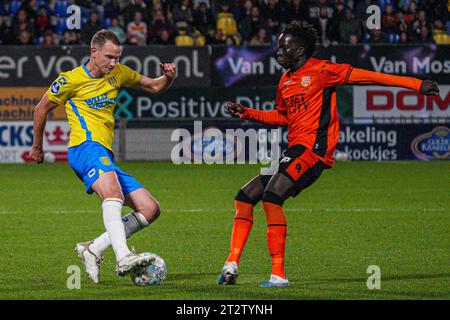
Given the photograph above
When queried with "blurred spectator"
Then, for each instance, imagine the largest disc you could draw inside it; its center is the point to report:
(42, 20)
(5, 35)
(438, 27)
(22, 23)
(183, 12)
(195, 17)
(411, 12)
(361, 9)
(402, 25)
(272, 12)
(250, 25)
(203, 19)
(227, 7)
(389, 19)
(423, 22)
(377, 36)
(30, 8)
(414, 31)
(260, 38)
(69, 38)
(246, 10)
(327, 5)
(216, 38)
(353, 39)
(132, 8)
(349, 26)
(164, 38)
(24, 38)
(117, 29)
(338, 16)
(425, 35)
(92, 26)
(403, 38)
(160, 23)
(437, 9)
(48, 39)
(137, 30)
(324, 27)
(229, 41)
(296, 10)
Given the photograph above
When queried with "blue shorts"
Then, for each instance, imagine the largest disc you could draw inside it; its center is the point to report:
(90, 159)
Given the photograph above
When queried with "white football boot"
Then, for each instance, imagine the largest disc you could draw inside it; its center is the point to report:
(89, 260)
(130, 261)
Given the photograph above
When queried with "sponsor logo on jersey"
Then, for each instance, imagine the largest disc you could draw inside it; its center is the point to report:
(100, 101)
(285, 159)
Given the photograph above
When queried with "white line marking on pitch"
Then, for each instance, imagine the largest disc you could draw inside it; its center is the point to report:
(231, 210)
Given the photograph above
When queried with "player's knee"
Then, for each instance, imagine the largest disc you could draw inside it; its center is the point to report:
(243, 197)
(151, 210)
(115, 194)
(272, 197)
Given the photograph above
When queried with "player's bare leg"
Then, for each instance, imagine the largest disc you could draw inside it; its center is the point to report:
(145, 211)
(247, 197)
(109, 191)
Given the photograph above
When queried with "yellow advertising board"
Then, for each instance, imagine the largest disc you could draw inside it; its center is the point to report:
(18, 103)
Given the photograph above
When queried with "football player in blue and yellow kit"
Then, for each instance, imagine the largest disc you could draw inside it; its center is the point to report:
(89, 94)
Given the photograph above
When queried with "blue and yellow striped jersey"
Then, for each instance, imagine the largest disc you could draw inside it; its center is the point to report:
(90, 102)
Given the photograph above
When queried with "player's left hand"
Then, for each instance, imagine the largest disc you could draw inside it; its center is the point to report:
(429, 88)
(169, 69)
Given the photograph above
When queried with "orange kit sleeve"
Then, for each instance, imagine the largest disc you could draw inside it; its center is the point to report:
(274, 117)
(361, 76)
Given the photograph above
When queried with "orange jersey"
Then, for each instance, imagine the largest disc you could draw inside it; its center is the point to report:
(306, 103)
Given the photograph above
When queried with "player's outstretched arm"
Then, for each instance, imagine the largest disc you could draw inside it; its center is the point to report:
(161, 84)
(361, 76)
(39, 119)
(273, 117)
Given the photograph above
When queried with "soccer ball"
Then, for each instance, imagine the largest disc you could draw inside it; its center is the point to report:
(150, 274)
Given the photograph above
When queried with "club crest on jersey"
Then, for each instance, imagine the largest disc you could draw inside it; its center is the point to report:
(105, 161)
(112, 81)
(306, 81)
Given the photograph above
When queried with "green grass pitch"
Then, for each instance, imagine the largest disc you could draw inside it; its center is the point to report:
(394, 215)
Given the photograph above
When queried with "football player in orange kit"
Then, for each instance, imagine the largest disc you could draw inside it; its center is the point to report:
(306, 104)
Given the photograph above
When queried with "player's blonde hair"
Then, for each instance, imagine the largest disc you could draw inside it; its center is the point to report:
(100, 37)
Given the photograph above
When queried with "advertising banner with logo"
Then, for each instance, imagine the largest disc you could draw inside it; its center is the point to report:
(16, 139)
(395, 142)
(18, 103)
(393, 102)
(41, 66)
(254, 66)
(181, 103)
(208, 140)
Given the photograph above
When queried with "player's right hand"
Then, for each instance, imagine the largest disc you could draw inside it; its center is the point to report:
(429, 88)
(235, 109)
(37, 154)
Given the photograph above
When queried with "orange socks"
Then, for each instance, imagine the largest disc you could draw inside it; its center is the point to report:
(276, 236)
(243, 222)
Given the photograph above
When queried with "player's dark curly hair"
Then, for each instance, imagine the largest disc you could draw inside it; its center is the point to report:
(305, 34)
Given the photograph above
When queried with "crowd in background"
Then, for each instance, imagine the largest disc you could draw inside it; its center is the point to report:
(199, 22)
